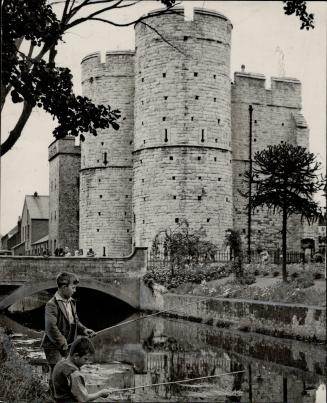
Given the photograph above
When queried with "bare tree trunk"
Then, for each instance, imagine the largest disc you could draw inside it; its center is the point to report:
(17, 130)
(284, 238)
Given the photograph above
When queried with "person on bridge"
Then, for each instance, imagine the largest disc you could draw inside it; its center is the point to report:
(68, 381)
(61, 322)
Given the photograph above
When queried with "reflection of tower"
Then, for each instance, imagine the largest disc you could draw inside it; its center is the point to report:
(182, 136)
(281, 62)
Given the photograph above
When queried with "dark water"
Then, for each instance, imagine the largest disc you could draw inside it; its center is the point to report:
(240, 367)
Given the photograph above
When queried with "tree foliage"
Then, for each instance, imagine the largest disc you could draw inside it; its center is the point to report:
(32, 78)
(182, 245)
(285, 180)
(299, 8)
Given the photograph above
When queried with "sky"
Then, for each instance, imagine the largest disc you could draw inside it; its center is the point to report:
(263, 39)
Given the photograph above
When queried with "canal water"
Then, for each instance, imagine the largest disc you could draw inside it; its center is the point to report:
(238, 366)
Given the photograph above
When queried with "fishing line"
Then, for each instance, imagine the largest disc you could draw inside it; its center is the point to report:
(174, 382)
(151, 315)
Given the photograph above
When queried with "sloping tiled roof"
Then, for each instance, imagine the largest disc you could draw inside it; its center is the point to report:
(38, 207)
(44, 239)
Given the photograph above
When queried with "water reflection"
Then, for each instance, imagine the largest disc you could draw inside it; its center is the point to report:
(161, 350)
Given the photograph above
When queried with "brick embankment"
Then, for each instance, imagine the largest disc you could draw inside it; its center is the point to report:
(276, 319)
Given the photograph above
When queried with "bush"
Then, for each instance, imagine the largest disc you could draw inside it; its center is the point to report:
(304, 280)
(276, 273)
(294, 275)
(317, 276)
(256, 272)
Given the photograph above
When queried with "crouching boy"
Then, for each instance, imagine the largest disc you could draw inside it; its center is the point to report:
(68, 381)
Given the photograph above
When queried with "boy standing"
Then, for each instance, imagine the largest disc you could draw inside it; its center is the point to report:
(68, 381)
(61, 321)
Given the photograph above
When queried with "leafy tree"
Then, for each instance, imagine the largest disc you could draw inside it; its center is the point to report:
(234, 241)
(299, 8)
(32, 78)
(285, 179)
(182, 245)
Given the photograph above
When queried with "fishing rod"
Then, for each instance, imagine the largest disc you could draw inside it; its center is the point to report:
(174, 382)
(151, 315)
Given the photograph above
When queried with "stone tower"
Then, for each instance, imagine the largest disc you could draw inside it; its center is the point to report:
(64, 166)
(106, 169)
(276, 119)
(182, 136)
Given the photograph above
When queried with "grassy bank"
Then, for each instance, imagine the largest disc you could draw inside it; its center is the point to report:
(19, 382)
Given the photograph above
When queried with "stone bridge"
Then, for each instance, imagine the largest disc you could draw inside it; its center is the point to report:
(23, 276)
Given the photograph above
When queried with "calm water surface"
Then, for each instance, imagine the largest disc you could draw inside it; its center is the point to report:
(160, 350)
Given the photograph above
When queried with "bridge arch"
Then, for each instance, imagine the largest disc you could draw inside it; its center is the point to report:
(128, 293)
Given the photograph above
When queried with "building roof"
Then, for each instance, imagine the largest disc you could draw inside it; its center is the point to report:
(12, 232)
(38, 206)
(41, 240)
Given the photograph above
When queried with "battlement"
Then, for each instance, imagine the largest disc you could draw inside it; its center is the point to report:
(117, 63)
(63, 146)
(251, 88)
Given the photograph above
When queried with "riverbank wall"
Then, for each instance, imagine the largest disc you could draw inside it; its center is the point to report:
(276, 319)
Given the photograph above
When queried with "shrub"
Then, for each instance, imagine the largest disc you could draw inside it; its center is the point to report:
(256, 272)
(294, 275)
(305, 280)
(317, 276)
(276, 273)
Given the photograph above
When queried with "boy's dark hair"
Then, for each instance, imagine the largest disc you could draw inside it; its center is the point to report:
(66, 278)
(82, 346)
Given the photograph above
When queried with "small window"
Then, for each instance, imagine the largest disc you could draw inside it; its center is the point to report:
(128, 230)
(202, 136)
(104, 156)
(165, 98)
(163, 75)
(255, 122)
(174, 197)
(143, 141)
(176, 220)
(141, 161)
(102, 143)
(173, 178)
(215, 159)
(126, 196)
(214, 76)
(283, 124)
(185, 38)
(99, 212)
(100, 196)
(131, 142)
(215, 100)
(219, 179)
(142, 180)
(216, 140)
(104, 251)
(171, 158)
(195, 74)
(254, 140)
(196, 96)
(239, 174)
(192, 118)
(125, 213)
(219, 121)
(227, 199)
(200, 177)
(142, 102)
(244, 231)
(199, 158)
(282, 141)
(91, 80)
(166, 135)
(99, 180)
(199, 197)
(163, 118)
(208, 219)
(130, 179)
(142, 79)
(142, 123)
(143, 198)
(134, 218)
(97, 229)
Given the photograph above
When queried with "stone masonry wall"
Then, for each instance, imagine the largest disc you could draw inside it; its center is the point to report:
(182, 140)
(106, 173)
(64, 166)
(276, 119)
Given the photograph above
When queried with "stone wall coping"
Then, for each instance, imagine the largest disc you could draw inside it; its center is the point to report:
(257, 76)
(286, 79)
(251, 301)
(82, 258)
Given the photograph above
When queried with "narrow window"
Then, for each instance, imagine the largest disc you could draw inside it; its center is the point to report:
(199, 158)
(216, 140)
(105, 161)
(142, 102)
(166, 135)
(165, 98)
(176, 220)
(283, 124)
(143, 222)
(130, 179)
(143, 141)
(173, 178)
(195, 74)
(174, 197)
(104, 251)
(142, 180)
(215, 100)
(126, 196)
(142, 79)
(185, 38)
(244, 231)
(97, 229)
(196, 96)
(128, 230)
(102, 143)
(143, 198)
(142, 123)
(163, 118)
(171, 158)
(200, 177)
(134, 218)
(99, 180)
(125, 213)
(219, 179)
(199, 197)
(202, 136)
(254, 140)
(208, 219)
(255, 122)
(215, 159)
(99, 212)
(163, 75)
(219, 121)
(100, 196)
(141, 161)
(192, 118)
(214, 76)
